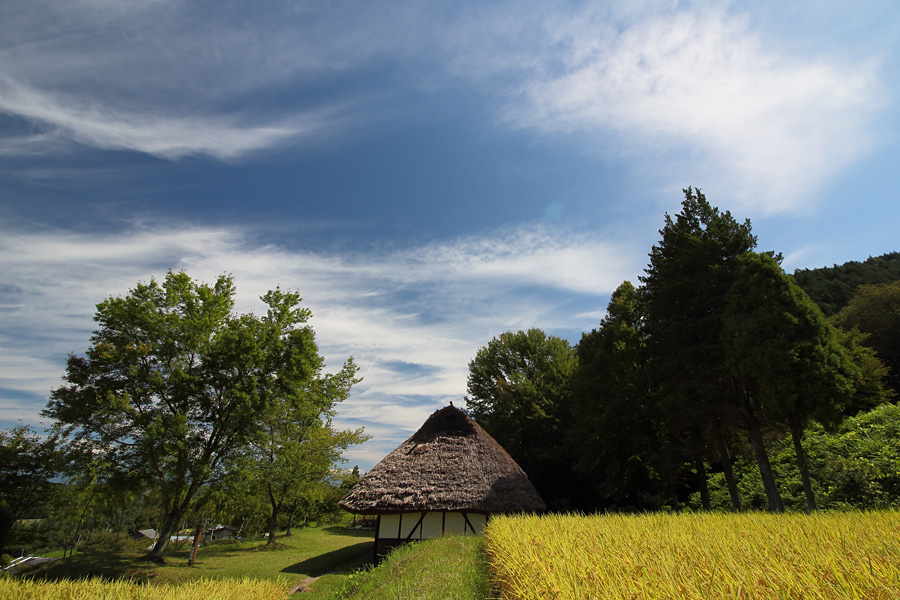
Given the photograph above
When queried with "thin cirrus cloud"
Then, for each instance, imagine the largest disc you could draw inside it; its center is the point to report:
(169, 136)
(685, 84)
(172, 81)
(406, 316)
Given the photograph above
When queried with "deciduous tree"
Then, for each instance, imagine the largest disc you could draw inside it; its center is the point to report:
(519, 393)
(173, 383)
(297, 446)
(875, 310)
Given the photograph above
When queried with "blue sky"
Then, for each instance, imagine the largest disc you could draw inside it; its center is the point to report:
(426, 175)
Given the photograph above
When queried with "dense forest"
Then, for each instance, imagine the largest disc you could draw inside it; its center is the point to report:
(716, 383)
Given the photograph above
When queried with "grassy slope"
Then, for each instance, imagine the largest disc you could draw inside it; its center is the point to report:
(308, 553)
(451, 568)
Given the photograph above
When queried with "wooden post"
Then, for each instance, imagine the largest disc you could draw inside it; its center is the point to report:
(197, 535)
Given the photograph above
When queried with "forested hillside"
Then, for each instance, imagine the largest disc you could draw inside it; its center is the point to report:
(833, 287)
(864, 296)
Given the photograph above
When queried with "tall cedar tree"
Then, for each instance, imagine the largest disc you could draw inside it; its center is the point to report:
(684, 294)
(173, 383)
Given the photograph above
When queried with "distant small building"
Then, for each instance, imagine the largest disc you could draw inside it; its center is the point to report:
(449, 477)
(219, 532)
(144, 534)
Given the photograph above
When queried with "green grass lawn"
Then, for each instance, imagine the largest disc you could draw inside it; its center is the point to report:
(331, 563)
(308, 553)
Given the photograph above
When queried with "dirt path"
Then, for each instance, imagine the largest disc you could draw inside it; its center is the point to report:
(303, 585)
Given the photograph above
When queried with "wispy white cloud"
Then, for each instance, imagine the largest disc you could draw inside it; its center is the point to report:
(700, 91)
(170, 136)
(437, 304)
(174, 80)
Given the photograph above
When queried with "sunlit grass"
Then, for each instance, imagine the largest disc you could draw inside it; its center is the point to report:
(840, 556)
(309, 553)
(449, 568)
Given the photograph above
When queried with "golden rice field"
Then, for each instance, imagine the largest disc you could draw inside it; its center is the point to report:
(201, 589)
(839, 556)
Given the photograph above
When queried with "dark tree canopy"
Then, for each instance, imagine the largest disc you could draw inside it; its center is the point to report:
(684, 288)
(779, 342)
(615, 427)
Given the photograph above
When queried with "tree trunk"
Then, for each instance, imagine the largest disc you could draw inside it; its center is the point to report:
(674, 503)
(78, 527)
(273, 520)
(290, 523)
(762, 457)
(703, 484)
(175, 510)
(273, 523)
(197, 534)
(727, 469)
(797, 437)
(162, 538)
(169, 526)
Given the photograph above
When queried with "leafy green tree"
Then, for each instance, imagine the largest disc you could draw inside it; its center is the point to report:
(173, 384)
(784, 353)
(298, 446)
(684, 294)
(519, 393)
(875, 310)
(28, 463)
(350, 479)
(871, 389)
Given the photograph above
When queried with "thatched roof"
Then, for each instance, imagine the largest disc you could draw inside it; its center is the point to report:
(449, 464)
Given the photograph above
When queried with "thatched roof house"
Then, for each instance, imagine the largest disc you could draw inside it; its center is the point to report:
(448, 477)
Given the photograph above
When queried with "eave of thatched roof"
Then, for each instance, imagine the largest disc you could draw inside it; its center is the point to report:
(449, 464)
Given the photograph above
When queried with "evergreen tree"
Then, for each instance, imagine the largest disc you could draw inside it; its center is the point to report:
(684, 295)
